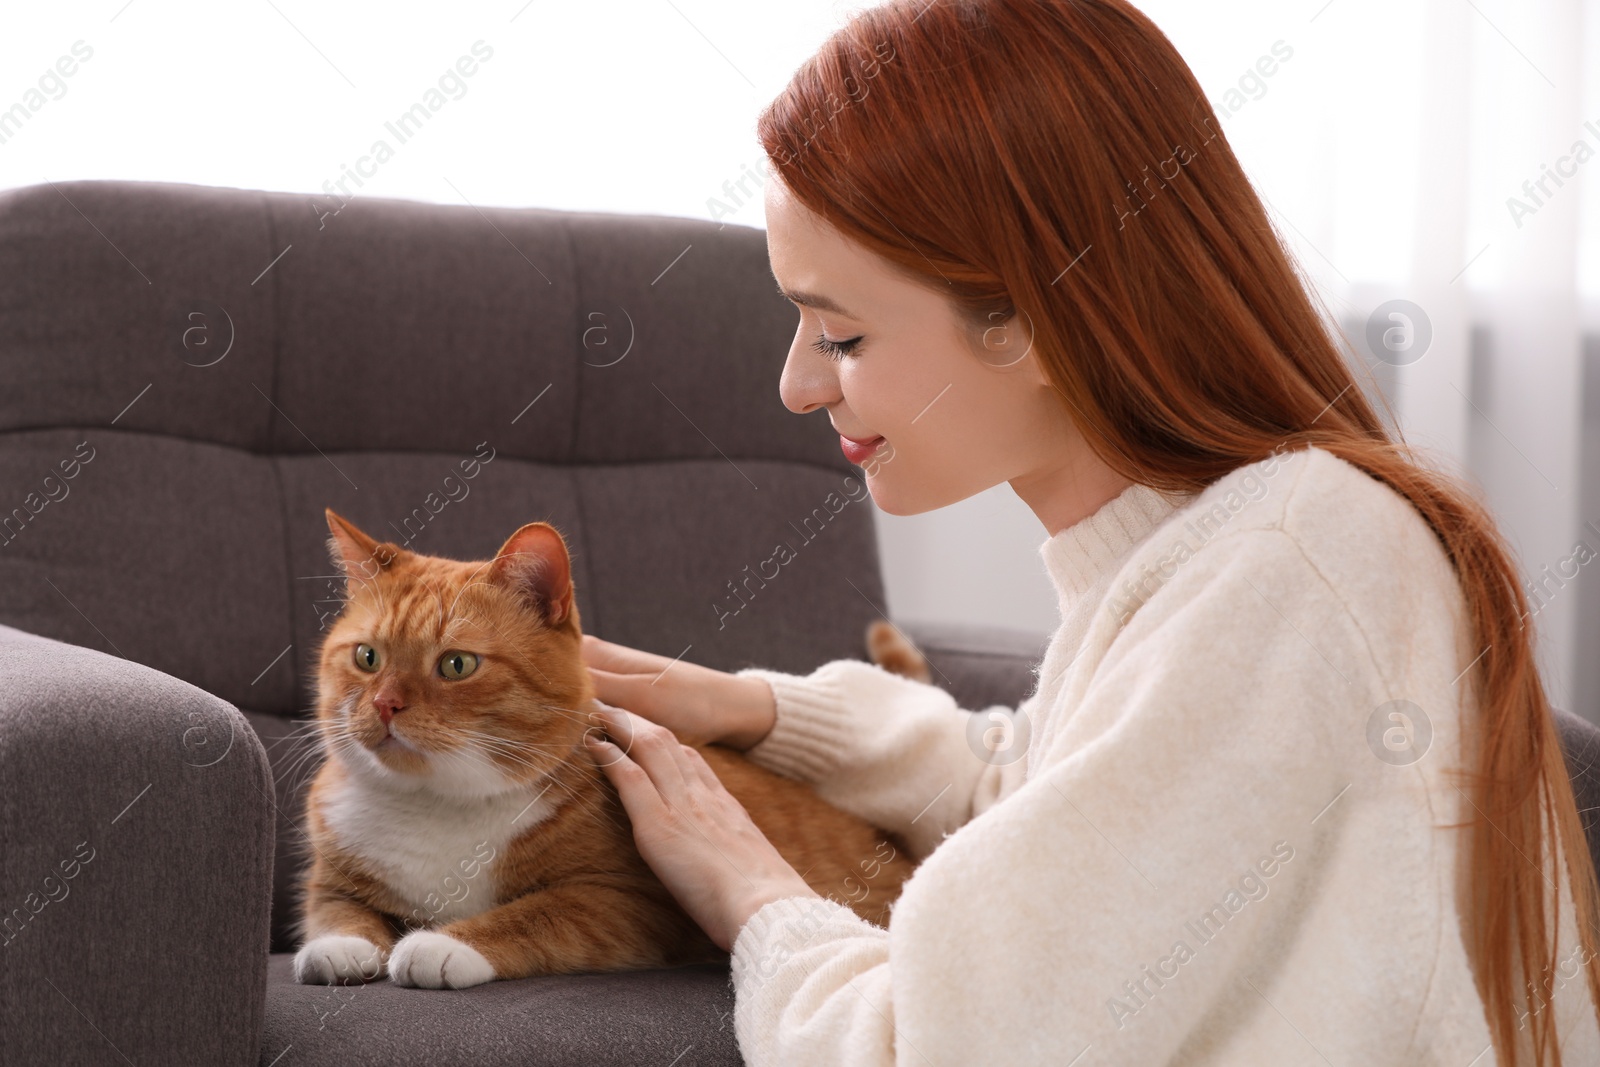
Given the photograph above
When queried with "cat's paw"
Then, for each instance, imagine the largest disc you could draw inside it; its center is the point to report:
(433, 960)
(337, 959)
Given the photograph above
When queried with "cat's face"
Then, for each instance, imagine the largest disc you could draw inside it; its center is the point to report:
(463, 678)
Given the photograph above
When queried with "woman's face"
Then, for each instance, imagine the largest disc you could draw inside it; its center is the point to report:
(960, 407)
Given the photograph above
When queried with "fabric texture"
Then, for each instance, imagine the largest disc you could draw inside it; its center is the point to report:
(1211, 835)
(136, 851)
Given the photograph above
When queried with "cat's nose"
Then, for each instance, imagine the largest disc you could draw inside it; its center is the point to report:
(388, 703)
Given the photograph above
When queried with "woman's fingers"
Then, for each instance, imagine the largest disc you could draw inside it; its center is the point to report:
(621, 677)
(697, 767)
(634, 692)
(600, 653)
(652, 747)
(607, 753)
(618, 690)
(620, 659)
(676, 694)
(674, 702)
(639, 794)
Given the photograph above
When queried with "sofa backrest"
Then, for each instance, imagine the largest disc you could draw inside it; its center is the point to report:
(193, 374)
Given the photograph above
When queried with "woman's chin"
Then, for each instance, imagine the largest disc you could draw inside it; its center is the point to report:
(890, 502)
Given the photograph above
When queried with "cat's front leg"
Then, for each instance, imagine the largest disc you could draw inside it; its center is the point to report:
(567, 929)
(345, 940)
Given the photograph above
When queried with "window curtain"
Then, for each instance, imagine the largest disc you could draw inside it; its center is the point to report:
(1445, 181)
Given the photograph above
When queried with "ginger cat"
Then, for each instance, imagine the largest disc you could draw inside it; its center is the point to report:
(460, 830)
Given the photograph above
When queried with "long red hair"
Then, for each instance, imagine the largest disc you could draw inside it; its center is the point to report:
(1059, 158)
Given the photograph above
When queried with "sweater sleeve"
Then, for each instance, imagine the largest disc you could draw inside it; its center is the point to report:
(899, 753)
(1191, 787)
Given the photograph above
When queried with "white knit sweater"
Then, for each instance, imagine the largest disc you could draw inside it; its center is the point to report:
(1203, 839)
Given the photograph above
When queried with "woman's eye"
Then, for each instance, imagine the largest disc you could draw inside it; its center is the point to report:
(366, 657)
(454, 665)
(835, 350)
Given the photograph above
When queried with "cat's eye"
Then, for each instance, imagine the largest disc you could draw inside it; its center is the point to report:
(454, 665)
(366, 657)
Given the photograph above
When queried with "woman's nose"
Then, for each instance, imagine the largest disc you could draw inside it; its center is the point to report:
(808, 380)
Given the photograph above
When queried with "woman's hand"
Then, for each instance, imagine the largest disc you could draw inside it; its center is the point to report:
(699, 704)
(695, 836)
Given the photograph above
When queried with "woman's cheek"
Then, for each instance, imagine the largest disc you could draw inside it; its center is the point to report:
(875, 396)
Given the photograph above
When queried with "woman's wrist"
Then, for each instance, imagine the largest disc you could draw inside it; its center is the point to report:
(755, 713)
(753, 900)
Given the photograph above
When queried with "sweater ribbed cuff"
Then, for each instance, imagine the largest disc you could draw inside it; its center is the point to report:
(781, 929)
(813, 726)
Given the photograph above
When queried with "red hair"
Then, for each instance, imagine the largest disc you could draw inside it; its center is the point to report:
(1058, 157)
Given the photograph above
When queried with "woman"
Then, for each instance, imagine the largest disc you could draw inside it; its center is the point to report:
(1022, 250)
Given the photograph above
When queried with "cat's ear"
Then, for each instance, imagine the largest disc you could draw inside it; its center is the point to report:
(356, 554)
(533, 563)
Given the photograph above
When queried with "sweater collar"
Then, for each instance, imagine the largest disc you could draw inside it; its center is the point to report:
(1089, 550)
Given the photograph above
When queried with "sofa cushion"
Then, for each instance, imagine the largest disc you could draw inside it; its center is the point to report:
(672, 1017)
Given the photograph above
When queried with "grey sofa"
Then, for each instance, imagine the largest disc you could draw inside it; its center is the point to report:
(190, 375)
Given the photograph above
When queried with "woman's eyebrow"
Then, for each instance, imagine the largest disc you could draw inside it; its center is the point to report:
(813, 300)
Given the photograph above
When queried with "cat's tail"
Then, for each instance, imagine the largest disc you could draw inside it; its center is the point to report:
(892, 650)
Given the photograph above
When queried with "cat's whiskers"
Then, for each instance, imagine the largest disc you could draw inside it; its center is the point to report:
(497, 749)
(505, 744)
(499, 755)
(297, 731)
(547, 771)
(350, 751)
(318, 736)
(572, 714)
(312, 735)
(293, 768)
(298, 744)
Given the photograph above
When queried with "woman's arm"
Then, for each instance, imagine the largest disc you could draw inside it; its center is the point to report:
(896, 752)
(1207, 852)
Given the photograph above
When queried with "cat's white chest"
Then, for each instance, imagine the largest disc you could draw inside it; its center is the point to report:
(439, 854)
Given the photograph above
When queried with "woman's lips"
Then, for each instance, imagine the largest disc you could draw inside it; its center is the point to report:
(857, 452)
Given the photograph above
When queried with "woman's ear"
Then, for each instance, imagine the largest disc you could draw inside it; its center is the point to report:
(1005, 343)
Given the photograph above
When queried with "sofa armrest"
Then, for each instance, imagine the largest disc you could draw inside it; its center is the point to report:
(136, 826)
(980, 666)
